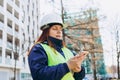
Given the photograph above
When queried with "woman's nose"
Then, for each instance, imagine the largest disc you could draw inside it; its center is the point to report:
(59, 31)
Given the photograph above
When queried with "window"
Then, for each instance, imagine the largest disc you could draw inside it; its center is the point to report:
(9, 23)
(1, 18)
(17, 3)
(16, 14)
(8, 54)
(9, 8)
(16, 28)
(1, 34)
(1, 2)
(0, 51)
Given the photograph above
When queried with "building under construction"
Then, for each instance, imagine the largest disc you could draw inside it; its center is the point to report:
(82, 33)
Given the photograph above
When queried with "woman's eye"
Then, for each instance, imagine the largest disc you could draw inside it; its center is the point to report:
(54, 28)
(58, 29)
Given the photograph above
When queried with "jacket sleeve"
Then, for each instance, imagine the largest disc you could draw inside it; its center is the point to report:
(80, 75)
(37, 60)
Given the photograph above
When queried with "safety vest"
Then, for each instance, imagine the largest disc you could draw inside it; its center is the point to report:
(55, 58)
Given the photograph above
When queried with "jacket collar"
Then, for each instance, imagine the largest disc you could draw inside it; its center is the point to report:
(56, 42)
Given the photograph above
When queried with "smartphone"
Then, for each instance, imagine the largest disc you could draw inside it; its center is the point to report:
(83, 53)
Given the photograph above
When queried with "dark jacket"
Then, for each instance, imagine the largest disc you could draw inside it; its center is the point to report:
(38, 63)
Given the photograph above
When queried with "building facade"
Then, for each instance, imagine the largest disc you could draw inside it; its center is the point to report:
(18, 30)
(30, 30)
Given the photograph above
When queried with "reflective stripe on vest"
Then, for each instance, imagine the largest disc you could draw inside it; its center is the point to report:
(55, 58)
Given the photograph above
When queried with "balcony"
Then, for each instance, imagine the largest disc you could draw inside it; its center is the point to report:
(0, 59)
(16, 20)
(18, 63)
(8, 61)
(17, 49)
(9, 45)
(10, 2)
(1, 25)
(17, 8)
(9, 30)
(9, 15)
(1, 10)
(16, 34)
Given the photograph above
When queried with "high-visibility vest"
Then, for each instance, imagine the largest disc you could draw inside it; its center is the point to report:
(55, 58)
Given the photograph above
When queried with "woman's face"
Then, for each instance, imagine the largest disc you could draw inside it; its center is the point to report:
(56, 32)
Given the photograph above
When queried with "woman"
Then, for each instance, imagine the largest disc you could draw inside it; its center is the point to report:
(49, 59)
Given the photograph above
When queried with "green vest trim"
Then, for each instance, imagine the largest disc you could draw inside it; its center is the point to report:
(54, 58)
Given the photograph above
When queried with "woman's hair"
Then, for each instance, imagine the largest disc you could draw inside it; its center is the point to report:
(44, 37)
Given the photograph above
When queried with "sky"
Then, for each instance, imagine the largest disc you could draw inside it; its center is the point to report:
(108, 8)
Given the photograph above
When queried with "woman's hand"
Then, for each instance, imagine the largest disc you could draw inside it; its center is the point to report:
(74, 63)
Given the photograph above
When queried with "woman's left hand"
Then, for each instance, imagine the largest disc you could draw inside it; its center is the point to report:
(80, 58)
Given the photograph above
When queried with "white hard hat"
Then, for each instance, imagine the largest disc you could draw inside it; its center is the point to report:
(50, 18)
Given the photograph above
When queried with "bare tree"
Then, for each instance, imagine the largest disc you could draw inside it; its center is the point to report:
(116, 33)
(87, 42)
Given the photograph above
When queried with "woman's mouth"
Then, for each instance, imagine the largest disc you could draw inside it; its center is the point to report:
(58, 36)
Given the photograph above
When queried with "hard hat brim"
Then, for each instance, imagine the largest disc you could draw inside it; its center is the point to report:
(49, 25)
